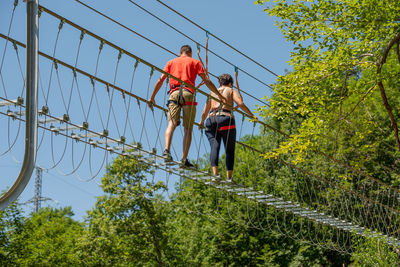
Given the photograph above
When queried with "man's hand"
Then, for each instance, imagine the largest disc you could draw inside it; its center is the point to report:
(201, 125)
(151, 102)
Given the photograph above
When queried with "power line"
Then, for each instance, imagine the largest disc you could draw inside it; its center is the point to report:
(212, 52)
(219, 39)
(164, 48)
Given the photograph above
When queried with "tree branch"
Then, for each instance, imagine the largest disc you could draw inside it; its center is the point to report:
(382, 88)
(398, 50)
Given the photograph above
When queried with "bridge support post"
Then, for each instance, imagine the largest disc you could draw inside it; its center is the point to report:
(31, 107)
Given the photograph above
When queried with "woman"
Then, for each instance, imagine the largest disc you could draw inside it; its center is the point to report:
(220, 124)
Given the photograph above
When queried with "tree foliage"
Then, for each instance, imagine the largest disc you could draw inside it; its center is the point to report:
(345, 56)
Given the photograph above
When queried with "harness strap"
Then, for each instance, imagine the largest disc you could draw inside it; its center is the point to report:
(205, 67)
(184, 104)
(237, 83)
(224, 128)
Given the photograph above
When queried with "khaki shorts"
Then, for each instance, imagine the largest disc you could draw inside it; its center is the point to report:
(189, 111)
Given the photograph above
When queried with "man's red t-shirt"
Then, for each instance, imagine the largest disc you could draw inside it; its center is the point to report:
(184, 68)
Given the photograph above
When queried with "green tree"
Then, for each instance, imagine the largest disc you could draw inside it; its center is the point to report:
(11, 224)
(127, 226)
(46, 238)
(346, 53)
(341, 96)
(371, 251)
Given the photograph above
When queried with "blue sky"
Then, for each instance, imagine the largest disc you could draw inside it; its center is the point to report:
(240, 23)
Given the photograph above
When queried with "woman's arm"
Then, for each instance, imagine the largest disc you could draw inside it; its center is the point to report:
(240, 103)
(206, 109)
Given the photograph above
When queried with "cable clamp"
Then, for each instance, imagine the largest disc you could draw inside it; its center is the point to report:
(82, 35)
(45, 110)
(136, 64)
(15, 45)
(20, 100)
(101, 45)
(151, 71)
(85, 125)
(62, 21)
(66, 117)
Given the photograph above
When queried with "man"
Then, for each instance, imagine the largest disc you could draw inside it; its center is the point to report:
(185, 68)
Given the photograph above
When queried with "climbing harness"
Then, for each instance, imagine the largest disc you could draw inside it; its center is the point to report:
(220, 112)
(181, 100)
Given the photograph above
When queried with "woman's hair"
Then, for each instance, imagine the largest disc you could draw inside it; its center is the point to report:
(225, 79)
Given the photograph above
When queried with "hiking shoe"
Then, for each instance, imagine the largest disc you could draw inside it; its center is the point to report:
(186, 163)
(167, 155)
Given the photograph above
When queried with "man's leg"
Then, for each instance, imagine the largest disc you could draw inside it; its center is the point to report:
(189, 113)
(174, 111)
(187, 140)
(169, 132)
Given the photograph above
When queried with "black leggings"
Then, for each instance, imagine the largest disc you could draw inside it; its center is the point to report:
(217, 128)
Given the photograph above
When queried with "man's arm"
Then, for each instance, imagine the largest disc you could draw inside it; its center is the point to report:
(238, 100)
(212, 87)
(157, 87)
